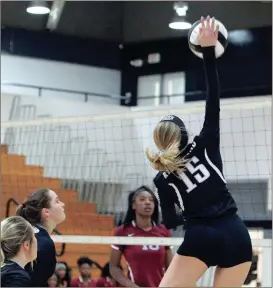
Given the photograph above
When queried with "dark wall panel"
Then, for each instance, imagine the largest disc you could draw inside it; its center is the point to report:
(57, 47)
(244, 70)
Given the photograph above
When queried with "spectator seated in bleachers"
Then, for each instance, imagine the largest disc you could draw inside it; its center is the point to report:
(85, 278)
(53, 281)
(63, 273)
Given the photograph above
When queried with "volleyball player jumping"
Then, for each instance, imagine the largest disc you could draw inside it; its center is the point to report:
(190, 175)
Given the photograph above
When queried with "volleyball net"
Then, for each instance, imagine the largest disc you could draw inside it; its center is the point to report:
(94, 161)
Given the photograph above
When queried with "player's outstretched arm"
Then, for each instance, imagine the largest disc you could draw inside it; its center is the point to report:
(208, 37)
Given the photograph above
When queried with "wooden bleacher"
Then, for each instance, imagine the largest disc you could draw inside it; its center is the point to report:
(19, 179)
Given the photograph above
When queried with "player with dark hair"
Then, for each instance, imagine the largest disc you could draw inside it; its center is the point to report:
(85, 279)
(190, 175)
(146, 263)
(44, 211)
(106, 279)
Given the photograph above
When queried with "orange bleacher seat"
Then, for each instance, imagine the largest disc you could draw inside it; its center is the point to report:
(29, 181)
(4, 149)
(18, 180)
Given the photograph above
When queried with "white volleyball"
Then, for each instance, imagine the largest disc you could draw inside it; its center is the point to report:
(221, 44)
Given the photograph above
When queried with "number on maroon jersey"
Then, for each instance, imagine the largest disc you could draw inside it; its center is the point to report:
(150, 247)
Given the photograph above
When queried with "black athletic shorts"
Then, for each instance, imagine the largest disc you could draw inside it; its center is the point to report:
(223, 242)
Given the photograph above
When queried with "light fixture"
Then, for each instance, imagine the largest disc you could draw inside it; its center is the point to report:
(180, 22)
(38, 7)
(240, 37)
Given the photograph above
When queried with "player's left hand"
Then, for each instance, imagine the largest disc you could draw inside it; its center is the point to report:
(208, 35)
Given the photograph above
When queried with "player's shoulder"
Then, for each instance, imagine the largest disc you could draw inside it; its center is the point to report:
(11, 272)
(164, 232)
(196, 144)
(194, 148)
(43, 238)
(159, 179)
(124, 230)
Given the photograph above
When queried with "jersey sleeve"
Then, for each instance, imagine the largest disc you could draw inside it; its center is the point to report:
(167, 203)
(119, 231)
(210, 132)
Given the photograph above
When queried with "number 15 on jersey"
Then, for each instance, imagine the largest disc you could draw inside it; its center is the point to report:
(200, 174)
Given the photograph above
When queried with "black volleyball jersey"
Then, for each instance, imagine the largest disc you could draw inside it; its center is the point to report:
(45, 264)
(13, 275)
(200, 191)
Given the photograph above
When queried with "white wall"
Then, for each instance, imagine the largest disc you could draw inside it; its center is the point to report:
(53, 74)
(169, 84)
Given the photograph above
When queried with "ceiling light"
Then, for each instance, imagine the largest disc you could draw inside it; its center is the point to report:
(179, 22)
(240, 37)
(181, 8)
(38, 7)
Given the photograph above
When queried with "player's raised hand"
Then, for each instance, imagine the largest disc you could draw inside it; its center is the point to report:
(208, 35)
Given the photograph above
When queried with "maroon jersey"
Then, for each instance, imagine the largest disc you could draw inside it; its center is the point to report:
(78, 282)
(103, 282)
(146, 263)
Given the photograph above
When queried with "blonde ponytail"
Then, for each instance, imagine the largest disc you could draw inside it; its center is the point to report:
(167, 161)
(167, 137)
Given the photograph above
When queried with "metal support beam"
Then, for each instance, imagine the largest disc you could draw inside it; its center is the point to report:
(55, 14)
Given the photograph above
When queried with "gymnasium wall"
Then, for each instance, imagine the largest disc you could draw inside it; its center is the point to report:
(61, 75)
(244, 70)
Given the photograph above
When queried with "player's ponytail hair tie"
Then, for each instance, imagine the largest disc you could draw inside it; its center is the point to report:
(162, 151)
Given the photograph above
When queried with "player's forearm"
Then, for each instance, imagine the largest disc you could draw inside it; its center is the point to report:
(118, 275)
(212, 82)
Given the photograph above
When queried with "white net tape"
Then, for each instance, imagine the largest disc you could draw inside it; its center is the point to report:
(112, 240)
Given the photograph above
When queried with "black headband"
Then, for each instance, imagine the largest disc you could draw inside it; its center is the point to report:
(177, 121)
